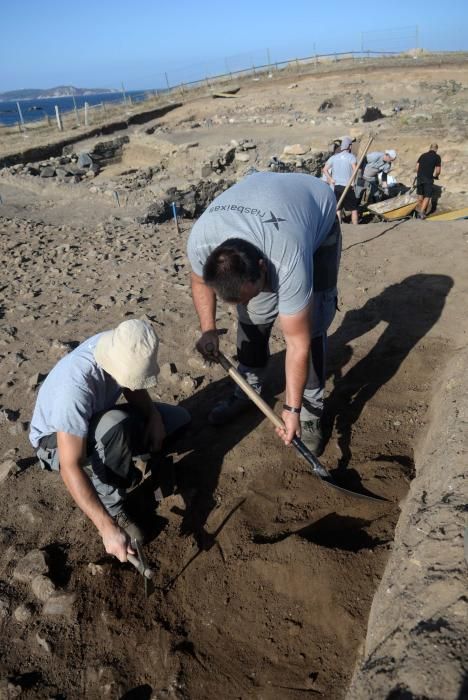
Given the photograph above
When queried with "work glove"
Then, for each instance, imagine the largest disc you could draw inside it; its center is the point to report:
(208, 345)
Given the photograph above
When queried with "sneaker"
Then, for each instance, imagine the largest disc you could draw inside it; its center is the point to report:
(312, 436)
(227, 409)
(131, 528)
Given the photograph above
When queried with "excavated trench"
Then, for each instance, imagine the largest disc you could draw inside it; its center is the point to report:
(265, 575)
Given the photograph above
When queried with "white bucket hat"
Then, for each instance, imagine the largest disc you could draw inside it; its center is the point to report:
(392, 153)
(129, 353)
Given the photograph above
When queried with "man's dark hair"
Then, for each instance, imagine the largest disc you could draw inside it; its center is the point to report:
(230, 266)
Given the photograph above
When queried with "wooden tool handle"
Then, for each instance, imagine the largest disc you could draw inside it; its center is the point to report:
(144, 571)
(247, 389)
(354, 175)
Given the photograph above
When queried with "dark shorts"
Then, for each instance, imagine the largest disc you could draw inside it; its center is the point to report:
(425, 188)
(350, 202)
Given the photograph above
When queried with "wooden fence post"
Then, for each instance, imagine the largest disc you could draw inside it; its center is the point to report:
(76, 111)
(59, 118)
(20, 116)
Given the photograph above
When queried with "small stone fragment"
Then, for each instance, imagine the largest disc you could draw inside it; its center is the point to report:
(8, 690)
(188, 384)
(4, 607)
(95, 569)
(43, 643)
(30, 566)
(295, 150)
(22, 613)
(168, 370)
(42, 587)
(6, 468)
(60, 604)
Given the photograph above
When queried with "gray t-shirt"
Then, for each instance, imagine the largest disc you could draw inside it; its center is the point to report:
(375, 165)
(287, 216)
(341, 167)
(73, 391)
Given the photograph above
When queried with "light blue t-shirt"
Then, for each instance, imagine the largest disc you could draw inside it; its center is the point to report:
(375, 165)
(285, 215)
(341, 167)
(73, 391)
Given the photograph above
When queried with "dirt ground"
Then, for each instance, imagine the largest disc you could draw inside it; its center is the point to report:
(264, 575)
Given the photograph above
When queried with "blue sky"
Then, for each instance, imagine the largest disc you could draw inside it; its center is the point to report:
(100, 43)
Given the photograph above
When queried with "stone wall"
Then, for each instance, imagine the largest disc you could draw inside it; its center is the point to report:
(417, 640)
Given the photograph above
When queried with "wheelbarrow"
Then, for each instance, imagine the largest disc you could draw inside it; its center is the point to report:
(399, 207)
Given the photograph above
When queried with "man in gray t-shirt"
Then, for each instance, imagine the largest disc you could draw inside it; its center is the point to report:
(77, 429)
(338, 171)
(377, 163)
(271, 245)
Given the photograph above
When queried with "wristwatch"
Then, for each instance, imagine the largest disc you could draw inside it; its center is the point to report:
(291, 409)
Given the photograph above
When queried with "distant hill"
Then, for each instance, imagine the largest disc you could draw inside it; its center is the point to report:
(59, 91)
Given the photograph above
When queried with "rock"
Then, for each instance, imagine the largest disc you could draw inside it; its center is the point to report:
(206, 170)
(295, 150)
(84, 160)
(247, 145)
(196, 363)
(423, 116)
(157, 213)
(9, 690)
(62, 174)
(30, 514)
(188, 205)
(168, 370)
(187, 384)
(292, 86)
(42, 587)
(4, 607)
(18, 429)
(6, 468)
(43, 643)
(73, 169)
(30, 566)
(60, 604)
(104, 301)
(48, 171)
(95, 569)
(36, 379)
(23, 613)
(242, 157)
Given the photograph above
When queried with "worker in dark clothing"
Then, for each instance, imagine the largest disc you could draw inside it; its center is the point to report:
(428, 168)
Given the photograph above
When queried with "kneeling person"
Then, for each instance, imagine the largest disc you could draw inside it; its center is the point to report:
(77, 428)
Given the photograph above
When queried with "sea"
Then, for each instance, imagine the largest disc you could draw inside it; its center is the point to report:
(34, 110)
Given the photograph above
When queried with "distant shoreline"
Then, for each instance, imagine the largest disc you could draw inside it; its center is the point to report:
(55, 97)
(37, 108)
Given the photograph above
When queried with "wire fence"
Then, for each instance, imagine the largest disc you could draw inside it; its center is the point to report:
(87, 116)
(256, 66)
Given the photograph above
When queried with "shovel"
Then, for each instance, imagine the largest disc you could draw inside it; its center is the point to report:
(142, 567)
(317, 468)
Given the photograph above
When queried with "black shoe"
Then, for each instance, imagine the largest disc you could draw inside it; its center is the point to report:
(227, 409)
(312, 436)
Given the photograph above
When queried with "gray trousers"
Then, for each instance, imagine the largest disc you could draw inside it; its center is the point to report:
(114, 440)
(253, 337)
